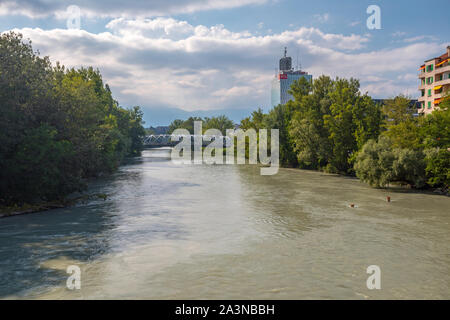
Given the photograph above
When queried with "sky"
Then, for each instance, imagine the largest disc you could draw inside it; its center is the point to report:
(182, 58)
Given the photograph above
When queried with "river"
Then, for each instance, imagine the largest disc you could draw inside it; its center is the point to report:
(172, 231)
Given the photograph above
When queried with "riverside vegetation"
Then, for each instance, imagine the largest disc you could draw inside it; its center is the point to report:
(58, 127)
(331, 126)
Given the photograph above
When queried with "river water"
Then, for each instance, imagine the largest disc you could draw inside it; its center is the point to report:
(169, 231)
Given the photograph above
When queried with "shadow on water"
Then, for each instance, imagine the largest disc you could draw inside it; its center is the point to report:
(36, 249)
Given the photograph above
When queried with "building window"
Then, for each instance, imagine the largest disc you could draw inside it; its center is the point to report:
(430, 68)
(429, 104)
(429, 92)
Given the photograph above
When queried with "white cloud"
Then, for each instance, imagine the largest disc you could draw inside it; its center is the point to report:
(116, 8)
(420, 38)
(170, 63)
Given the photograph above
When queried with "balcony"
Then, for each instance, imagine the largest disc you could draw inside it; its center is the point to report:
(442, 69)
(438, 95)
(444, 62)
(442, 82)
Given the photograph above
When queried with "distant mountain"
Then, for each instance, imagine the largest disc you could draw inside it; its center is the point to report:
(158, 130)
(164, 116)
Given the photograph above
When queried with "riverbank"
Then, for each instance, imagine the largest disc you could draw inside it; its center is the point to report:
(12, 211)
(395, 186)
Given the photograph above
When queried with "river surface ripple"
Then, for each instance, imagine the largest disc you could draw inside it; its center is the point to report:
(225, 232)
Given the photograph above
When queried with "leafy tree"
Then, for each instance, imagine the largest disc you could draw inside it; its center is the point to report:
(397, 110)
(409, 167)
(307, 130)
(378, 164)
(278, 118)
(176, 124)
(332, 123)
(186, 124)
(437, 167)
(222, 123)
(255, 121)
(374, 163)
(58, 126)
(435, 129)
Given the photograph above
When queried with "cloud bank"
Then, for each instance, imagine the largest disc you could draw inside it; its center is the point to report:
(117, 8)
(165, 62)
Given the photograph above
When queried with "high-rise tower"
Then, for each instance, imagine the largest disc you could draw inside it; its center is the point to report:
(285, 62)
(283, 80)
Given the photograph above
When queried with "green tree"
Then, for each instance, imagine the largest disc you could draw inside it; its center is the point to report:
(397, 110)
(278, 118)
(58, 126)
(176, 124)
(222, 123)
(374, 163)
(332, 123)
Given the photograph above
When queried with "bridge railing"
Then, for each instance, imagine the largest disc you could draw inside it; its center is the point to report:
(165, 140)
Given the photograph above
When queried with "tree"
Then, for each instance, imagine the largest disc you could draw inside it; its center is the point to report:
(436, 132)
(307, 130)
(58, 126)
(278, 118)
(332, 123)
(409, 167)
(397, 110)
(176, 124)
(374, 163)
(221, 123)
(437, 167)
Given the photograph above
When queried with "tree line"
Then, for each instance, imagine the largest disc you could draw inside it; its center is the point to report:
(58, 126)
(222, 123)
(331, 126)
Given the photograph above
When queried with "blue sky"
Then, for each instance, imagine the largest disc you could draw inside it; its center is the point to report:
(208, 57)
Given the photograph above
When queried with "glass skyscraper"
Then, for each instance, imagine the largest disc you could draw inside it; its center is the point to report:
(283, 80)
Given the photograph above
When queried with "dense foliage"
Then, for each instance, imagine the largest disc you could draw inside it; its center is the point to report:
(331, 126)
(412, 150)
(58, 126)
(324, 126)
(222, 123)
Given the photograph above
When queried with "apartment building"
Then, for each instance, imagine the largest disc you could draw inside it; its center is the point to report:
(434, 79)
